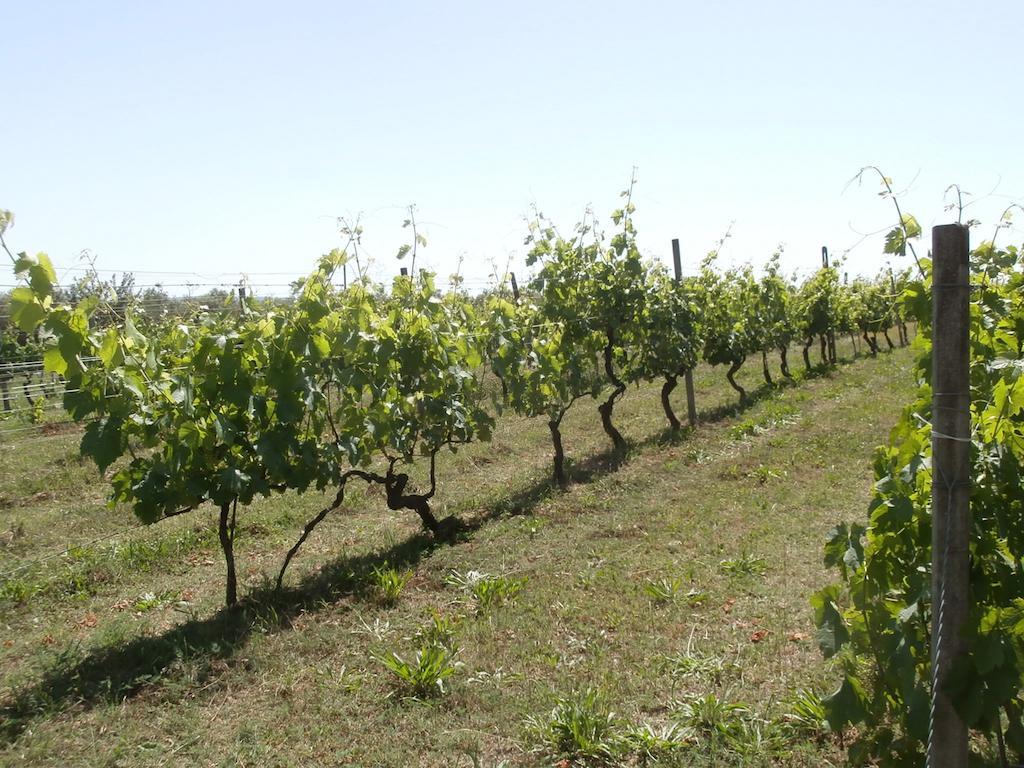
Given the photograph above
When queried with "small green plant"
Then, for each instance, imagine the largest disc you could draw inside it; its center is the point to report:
(495, 591)
(378, 630)
(585, 579)
(440, 631)
(651, 743)
(745, 565)
(805, 716)
(78, 582)
(580, 728)
(698, 456)
(696, 664)
(532, 526)
(149, 601)
(465, 580)
(696, 597)
(487, 591)
(17, 590)
(389, 582)
(498, 678)
(711, 716)
(744, 429)
(347, 680)
(425, 675)
(763, 474)
(757, 736)
(665, 590)
(38, 414)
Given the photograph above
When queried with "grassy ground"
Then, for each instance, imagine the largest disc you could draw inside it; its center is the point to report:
(673, 586)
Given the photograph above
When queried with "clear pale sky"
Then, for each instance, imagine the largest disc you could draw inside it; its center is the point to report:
(219, 138)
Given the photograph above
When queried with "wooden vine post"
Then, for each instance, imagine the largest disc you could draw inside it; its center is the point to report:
(951, 479)
(691, 401)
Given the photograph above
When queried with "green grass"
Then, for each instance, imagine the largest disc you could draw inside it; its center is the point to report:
(118, 653)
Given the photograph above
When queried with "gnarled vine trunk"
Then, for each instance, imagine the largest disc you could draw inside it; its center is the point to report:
(824, 349)
(784, 363)
(226, 531)
(666, 403)
(887, 339)
(608, 406)
(807, 352)
(398, 499)
(731, 373)
(872, 349)
(764, 368)
(605, 409)
(559, 453)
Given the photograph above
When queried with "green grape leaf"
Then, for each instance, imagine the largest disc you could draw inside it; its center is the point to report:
(110, 351)
(27, 311)
(102, 441)
(846, 705)
(832, 633)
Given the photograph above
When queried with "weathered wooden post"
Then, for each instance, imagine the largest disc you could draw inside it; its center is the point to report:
(951, 479)
(691, 400)
(515, 287)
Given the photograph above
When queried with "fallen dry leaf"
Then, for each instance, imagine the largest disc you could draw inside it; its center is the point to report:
(729, 604)
(89, 620)
(797, 637)
(758, 636)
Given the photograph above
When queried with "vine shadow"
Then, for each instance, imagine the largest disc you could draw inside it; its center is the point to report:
(198, 647)
(112, 673)
(597, 465)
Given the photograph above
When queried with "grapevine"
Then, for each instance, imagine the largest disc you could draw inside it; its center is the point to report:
(876, 621)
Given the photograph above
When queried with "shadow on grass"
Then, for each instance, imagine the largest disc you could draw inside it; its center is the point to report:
(765, 390)
(597, 465)
(112, 673)
(728, 410)
(196, 649)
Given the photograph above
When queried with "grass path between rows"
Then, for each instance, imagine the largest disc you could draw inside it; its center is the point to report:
(120, 655)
